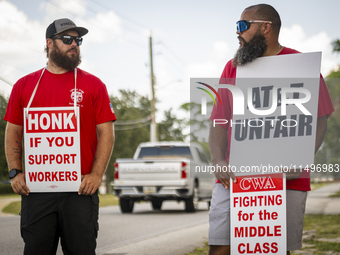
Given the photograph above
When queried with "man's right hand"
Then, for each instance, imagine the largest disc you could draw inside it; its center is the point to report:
(18, 184)
(223, 174)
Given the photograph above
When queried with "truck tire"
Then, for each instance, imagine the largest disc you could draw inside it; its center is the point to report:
(191, 203)
(156, 204)
(126, 205)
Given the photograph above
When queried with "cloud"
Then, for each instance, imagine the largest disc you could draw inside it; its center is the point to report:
(294, 37)
(212, 67)
(54, 8)
(21, 42)
(104, 26)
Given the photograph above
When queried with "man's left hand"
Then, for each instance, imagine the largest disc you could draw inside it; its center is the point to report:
(89, 184)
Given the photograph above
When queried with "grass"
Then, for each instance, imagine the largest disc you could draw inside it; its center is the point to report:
(326, 226)
(315, 186)
(336, 194)
(15, 207)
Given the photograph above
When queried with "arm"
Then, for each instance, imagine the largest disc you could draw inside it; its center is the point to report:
(91, 182)
(13, 151)
(321, 130)
(218, 142)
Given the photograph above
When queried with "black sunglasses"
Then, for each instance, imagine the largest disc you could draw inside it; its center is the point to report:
(68, 39)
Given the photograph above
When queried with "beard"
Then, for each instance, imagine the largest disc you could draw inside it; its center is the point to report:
(63, 60)
(251, 50)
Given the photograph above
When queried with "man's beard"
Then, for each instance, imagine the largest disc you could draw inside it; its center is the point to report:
(251, 50)
(63, 60)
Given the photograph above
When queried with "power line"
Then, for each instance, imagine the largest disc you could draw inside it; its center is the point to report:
(129, 128)
(114, 24)
(121, 15)
(172, 53)
(97, 26)
(131, 122)
(159, 41)
(20, 45)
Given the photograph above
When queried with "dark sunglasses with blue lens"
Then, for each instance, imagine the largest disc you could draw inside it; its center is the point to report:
(243, 25)
(68, 39)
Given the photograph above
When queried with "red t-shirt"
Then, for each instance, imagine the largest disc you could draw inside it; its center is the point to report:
(57, 90)
(228, 77)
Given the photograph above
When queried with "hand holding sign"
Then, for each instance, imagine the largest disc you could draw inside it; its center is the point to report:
(223, 173)
(19, 185)
(89, 184)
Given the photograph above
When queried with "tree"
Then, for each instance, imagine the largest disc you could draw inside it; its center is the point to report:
(133, 126)
(171, 129)
(199, 125)
(330, 151)
(3, 163)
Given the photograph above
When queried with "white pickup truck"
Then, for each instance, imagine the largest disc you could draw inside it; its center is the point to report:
(164, 171)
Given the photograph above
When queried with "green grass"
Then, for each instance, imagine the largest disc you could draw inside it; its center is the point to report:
(325, 246)
(315, 186)
(200, 251)
(108, 200)
(336, 194)
(15, 207)
(326, 226)
(9, 196)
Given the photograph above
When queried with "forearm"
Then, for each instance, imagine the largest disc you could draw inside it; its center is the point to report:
(218, 142)
(321, 130)
(91, 182)
(104, 148)
(13, 146)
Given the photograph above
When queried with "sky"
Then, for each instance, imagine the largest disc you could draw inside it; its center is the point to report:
(191, 39)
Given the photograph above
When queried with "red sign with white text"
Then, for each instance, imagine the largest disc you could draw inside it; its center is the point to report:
(51, 121)
(258, 214)
(258, 183)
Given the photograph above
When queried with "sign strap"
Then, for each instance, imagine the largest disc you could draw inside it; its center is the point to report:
(36, 88)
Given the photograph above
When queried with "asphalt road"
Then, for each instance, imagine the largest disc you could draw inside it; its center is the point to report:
(146, 232)
(169, 231)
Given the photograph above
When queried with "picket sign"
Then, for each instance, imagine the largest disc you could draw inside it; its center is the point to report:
(258, 214)
(52, 149)
(261, 148)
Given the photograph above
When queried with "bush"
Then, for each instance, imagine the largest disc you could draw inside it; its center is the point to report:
(6, 189)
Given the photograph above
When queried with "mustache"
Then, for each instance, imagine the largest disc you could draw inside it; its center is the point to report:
(241, 39)
(73, 48)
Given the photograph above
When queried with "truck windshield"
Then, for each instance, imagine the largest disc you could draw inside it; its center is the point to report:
(165, 152)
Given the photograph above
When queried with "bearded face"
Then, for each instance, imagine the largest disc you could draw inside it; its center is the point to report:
(64, 60)
(251, 50)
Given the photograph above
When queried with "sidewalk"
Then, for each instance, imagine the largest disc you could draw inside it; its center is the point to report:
(319, 202)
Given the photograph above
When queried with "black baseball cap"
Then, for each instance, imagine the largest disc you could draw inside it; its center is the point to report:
(61, 25)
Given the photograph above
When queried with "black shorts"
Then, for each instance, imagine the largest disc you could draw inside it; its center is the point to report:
(47, 216)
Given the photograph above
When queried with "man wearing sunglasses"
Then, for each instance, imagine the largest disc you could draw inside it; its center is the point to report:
(258, 32)
(71, 216)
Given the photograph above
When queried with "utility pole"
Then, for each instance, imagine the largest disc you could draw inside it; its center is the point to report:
(153, 125)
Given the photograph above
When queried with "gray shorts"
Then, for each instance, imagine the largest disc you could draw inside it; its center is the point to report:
(219, 217)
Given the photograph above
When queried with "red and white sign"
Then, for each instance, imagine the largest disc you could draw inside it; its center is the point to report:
(258, 214)
(52, 149)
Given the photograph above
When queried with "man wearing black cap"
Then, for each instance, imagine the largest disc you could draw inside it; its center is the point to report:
(48, 215)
